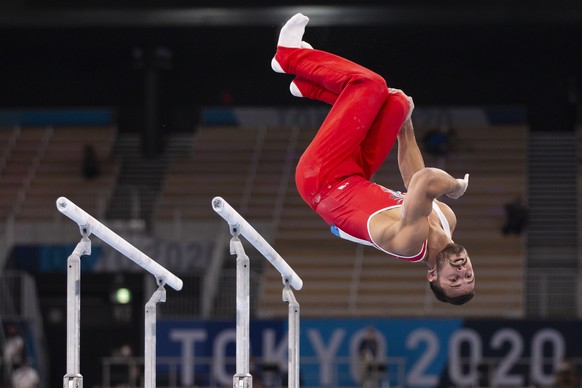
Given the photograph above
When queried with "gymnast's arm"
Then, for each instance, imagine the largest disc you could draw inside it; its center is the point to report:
(423, 184)
(410, 159)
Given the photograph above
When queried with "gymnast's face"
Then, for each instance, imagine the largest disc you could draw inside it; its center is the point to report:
(456, 276)
(453, 279)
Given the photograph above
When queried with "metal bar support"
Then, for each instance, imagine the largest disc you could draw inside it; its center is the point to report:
(73, 377)
(293, 337)
(242, 378)
(150, 336)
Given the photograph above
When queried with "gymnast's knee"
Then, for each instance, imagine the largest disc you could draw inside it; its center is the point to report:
(372, 83)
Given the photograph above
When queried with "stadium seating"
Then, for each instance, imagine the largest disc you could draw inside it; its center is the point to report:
(45, 163)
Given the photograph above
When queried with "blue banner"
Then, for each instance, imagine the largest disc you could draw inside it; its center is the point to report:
(416, 353)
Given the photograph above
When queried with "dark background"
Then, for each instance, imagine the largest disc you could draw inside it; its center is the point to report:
(451, 53)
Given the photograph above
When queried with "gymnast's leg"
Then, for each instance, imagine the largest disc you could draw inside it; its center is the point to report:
(382, 134)
(334, 153)
(358, 96)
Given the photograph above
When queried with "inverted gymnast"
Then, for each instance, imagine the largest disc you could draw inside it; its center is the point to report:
(333, 174)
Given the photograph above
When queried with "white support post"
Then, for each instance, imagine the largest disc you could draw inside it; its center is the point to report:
(240, 225)
(73, 377)
(150, 336)
(242, 378)
(293, 337)
(92, 226)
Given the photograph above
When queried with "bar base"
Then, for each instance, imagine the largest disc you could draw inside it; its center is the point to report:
(242, 381)
(74, 381)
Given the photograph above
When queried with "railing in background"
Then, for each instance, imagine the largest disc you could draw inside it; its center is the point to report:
(486, 372)
(19, 303)
(548, 286)
(6, 241)
(8, 148)
(213, 273)
(127, 371)
(31, 173)
(286, 177)
(549, 293)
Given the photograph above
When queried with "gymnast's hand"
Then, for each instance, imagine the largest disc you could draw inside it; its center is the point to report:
(463, 183)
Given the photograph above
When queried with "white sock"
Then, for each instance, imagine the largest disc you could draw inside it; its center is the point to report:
(295, 90)
(292, 32)
(276, 66)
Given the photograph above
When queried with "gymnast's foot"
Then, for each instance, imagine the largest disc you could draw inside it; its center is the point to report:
(291, 35)
(295, 90)
(292, 32)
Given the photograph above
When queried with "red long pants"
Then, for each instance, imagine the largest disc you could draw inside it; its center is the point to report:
(360, 129)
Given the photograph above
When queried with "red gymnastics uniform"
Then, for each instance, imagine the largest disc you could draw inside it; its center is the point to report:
(333, 174)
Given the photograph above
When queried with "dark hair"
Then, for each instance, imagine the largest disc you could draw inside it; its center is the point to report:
(456, 300)
(447, 252)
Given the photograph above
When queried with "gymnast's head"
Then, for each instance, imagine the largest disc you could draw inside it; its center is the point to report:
(452, 280)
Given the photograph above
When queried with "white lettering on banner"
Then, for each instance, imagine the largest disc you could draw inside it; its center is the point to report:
(275, 353)
(543, 338)
(219, 360)
(502, 375)
(417, 376)
(471, 337)
(326, 356)
(511, 342)
(187, 338)
(466, 347)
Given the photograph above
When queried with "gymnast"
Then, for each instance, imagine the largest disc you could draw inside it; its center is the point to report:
(333, 174)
